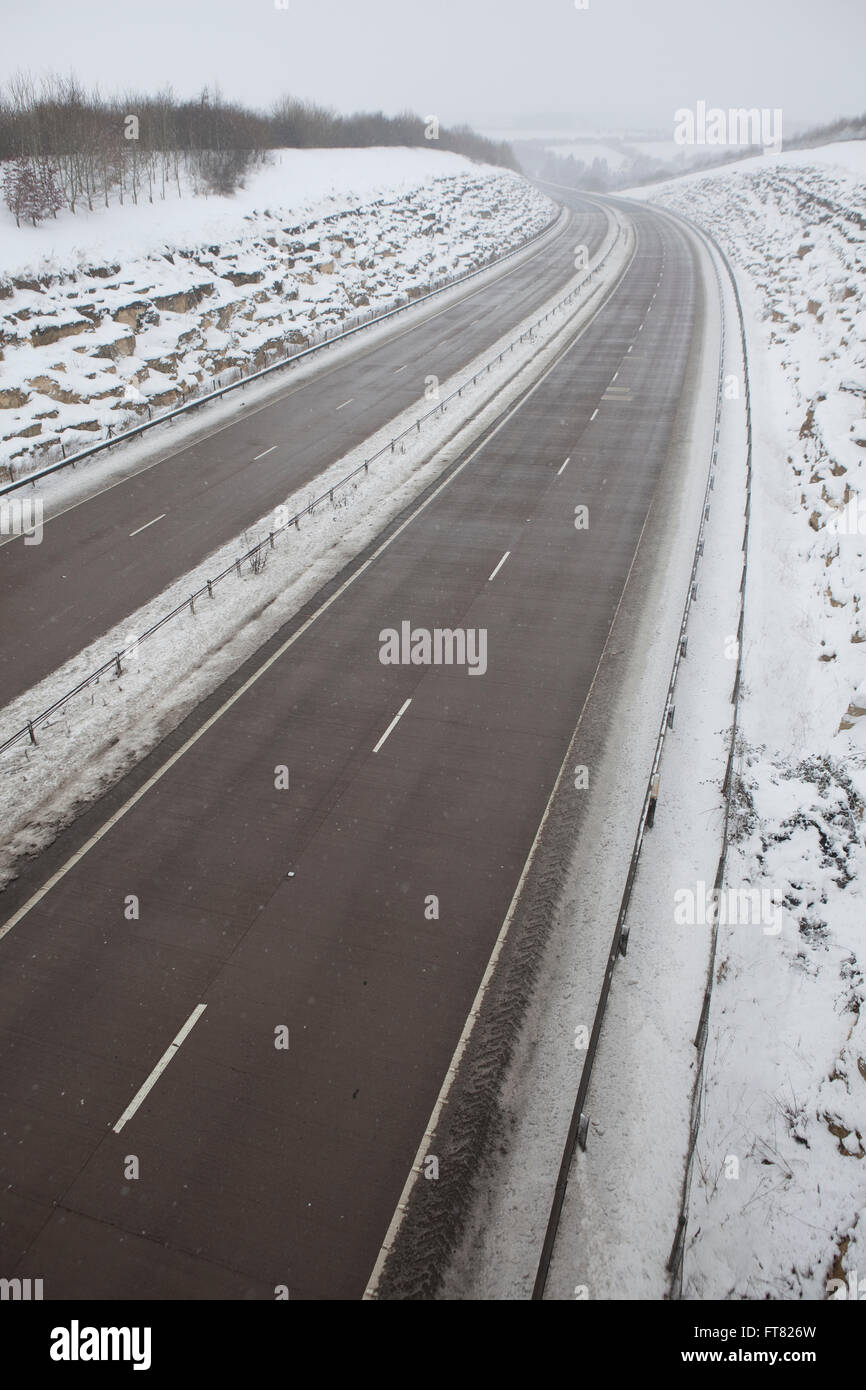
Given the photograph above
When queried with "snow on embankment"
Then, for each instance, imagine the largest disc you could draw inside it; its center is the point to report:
(778, 1197)
(108, 314)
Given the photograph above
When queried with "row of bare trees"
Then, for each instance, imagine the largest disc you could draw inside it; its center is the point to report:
(64, 146)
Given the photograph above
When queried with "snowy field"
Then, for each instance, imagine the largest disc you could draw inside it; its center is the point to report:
(109, 315)
(778, 1205)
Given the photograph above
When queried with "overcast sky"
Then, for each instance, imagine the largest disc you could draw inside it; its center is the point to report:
(491, 62)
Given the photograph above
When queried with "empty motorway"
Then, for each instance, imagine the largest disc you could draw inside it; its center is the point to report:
(233, 973)
(101, 560)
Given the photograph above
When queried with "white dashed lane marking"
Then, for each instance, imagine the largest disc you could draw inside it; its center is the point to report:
(160, 1067)
(148, 523)
(499, 566)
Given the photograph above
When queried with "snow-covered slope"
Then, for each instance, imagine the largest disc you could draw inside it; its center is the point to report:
(106, 315)
(786, 1060)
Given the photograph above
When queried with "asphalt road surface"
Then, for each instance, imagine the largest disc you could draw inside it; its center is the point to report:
(307, 908)
(100, 561)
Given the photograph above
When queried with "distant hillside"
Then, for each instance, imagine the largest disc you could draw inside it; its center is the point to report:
(614, 164)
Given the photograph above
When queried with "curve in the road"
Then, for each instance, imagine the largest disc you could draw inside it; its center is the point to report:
(100, 561)
(299, 959)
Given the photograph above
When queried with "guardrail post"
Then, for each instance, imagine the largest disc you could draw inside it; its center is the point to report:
(210, 588)
(31, 731)
(271, 539)
(117, 666)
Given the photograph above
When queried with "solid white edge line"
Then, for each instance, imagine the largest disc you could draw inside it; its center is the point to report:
(397, 717)
(148, 523)
(290, 641)
(564, 466)
(499, 566)
(267, 451)
(159, 1068)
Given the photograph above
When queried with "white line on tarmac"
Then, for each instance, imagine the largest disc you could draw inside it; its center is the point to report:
(146, 524)
(160, 1067)
(564, 466)
(345, 403)
(267, 451)
(593, 415)
(397, 717)
(499, 566)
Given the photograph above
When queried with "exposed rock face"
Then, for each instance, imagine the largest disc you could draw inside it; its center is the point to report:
(242, 277)
(135, 314)
(52, 333)
(121, 347)
(166, 399)
(54, 391)
(119, 340)
(173, 303)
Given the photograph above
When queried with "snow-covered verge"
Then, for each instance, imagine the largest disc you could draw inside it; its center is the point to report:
(110, 315)
(104, 731)
(777, 1207)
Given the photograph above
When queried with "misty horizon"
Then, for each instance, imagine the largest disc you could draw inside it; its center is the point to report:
(608, 68)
